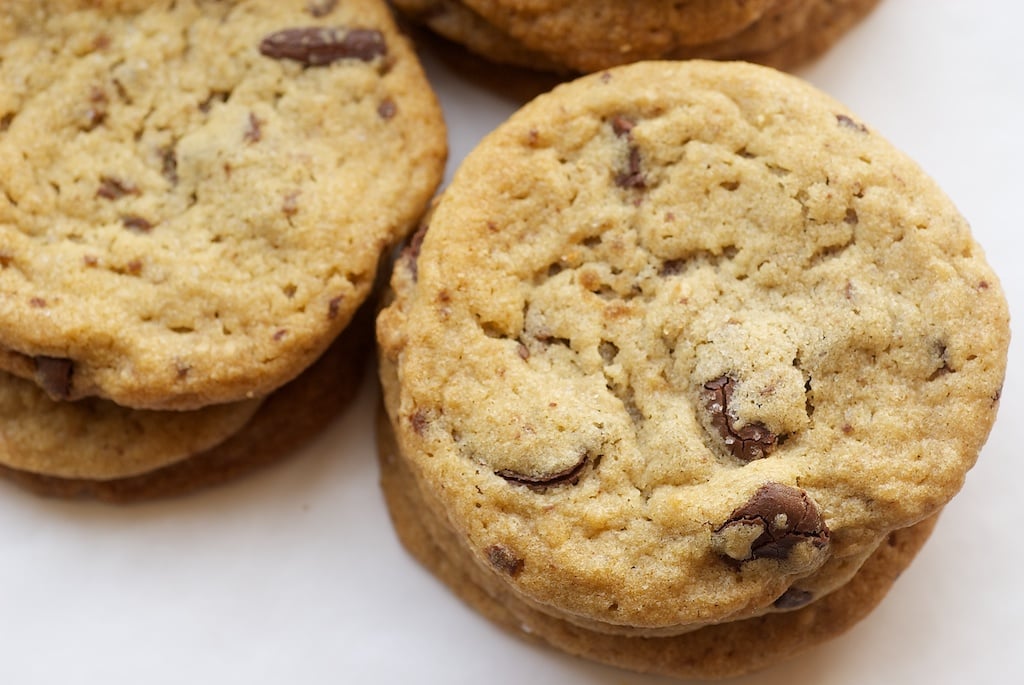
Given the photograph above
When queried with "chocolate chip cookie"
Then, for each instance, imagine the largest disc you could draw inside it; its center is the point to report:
(785, 34)
(195, 195)
(685, 343)
(720, 651)
(96, 449)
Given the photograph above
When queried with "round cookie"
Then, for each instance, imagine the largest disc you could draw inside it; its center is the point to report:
(828, 21)
(721, 651)
(98, 450)
(454, 21)
(789, 34)
(195, 195)
(683, 337)
(599, 34)
(95, 438)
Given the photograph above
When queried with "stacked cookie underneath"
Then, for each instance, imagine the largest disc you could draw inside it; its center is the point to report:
(590, 35)
(682, 367)
(195, 198)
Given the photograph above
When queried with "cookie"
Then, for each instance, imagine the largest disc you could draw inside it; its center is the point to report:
(194, 195)
(684, 343)
(828, 21)
(455, 22)
(725, 650)
(598, 34)
(789, 34)
(96, 449)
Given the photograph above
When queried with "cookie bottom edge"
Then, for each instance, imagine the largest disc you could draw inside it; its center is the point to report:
(712, 652)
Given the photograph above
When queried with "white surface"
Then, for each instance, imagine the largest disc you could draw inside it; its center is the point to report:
(294, 575)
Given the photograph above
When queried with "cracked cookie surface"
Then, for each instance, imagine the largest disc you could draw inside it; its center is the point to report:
(647, 266)
(195, 195)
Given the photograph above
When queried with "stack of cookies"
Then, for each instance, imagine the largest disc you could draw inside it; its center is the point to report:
(590, 35)
(195, 197)
(682, 367)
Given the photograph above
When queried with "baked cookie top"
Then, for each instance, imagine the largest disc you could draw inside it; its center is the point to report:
(681, 334)
(594, 35)
(195, 195)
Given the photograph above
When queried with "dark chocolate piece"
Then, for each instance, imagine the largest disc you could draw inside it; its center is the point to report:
(387, 109)
(113, 188)
(54, 374)
(752, 441)
(137, 223)
(504, 559)
(786, 515)
(633, 177)
(316, 46)
(622, 126)
(568, 476)
(793, 598)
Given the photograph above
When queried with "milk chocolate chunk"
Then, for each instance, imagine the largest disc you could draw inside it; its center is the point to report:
(633, 176)
(504, 559)
(114, 188)
(54, 375)
(793, 598)
(749, 442)
(316, 46)
(774, 520)
(568, 476)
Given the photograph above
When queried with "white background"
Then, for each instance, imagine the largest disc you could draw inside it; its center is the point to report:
(294, 576)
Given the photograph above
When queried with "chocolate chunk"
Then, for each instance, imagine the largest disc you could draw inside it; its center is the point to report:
(793, 598)
(334, 306)
(169, 164)
(96, 112)
(114, 188)
(784, 515)
(752, 441)
(847, 122)
(411, 252)
(54, 374)
(504, 559)
(943, 357)
(633, 177)
(419, 420)
(387, 109)
(215, 97)
(622, 126)
(316, 46)
(568, 476)
(137, 223)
